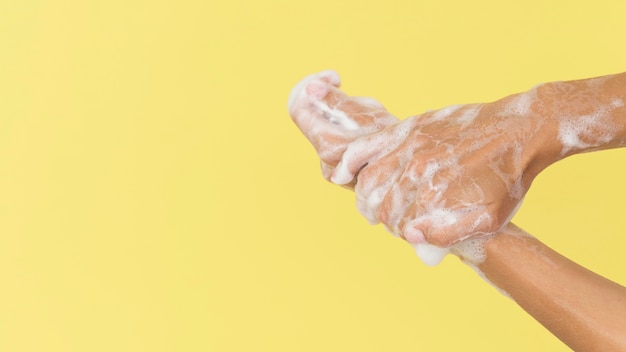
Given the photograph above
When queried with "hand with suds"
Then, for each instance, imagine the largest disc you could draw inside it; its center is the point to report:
(461, 171)
(331, 120)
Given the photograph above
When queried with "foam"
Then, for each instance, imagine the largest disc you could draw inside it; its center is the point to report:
(429, 254)
(587, 131)
(520, 104)
(318, 82)
(440, 216)
(470, 112)
(298, 92)
(516, 190)
(369, 102)
(471, 251)
(444, 112)
(388, 185)
(384, 143)
(432, 255)
(337, 116)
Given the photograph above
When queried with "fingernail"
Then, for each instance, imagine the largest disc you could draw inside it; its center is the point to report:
(316, 90)
(414, 235)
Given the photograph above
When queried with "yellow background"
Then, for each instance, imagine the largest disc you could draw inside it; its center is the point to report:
(155, 196)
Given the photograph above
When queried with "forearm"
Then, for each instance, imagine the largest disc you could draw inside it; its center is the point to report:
(583, 309)
(577, 116)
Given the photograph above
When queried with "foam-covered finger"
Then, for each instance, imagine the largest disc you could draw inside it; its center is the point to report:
(320, 92)
(331, 77)
(414, 234)
(329, 118)
(298, 92)
(430, 254)
(385, 196)
(368, 201)
(318, 95)
(366, 113)
(368, 149)
(327, 170)
(354, 158)
(432, 227)
(371, 102)
(444, 227)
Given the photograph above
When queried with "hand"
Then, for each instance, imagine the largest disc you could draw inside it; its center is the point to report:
(331, 120)
(446, 175)
(439, 177)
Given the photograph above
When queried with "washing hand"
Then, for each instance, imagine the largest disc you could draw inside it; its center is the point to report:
(455, 173)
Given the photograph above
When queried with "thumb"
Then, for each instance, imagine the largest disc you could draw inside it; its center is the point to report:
(438, 227)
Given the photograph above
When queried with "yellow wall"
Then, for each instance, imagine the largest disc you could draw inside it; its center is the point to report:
(155, 196)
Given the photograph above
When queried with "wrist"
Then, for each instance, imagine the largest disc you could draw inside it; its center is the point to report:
(582, 116)
(532, 129)
(544, 147)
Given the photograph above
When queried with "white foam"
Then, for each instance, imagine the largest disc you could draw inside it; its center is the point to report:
(520, 104)
(471, 250)
(570, 133)
(383, 143)
(429, 254)
(484, 220)
(337, 116)
(440, 216)
(342, 175)
(382, 184)
(469, 114)
(592, 128)
(513, 212)
(299, 90)
(371, 102)
(444, 112)
(617, 103)
(517, 190)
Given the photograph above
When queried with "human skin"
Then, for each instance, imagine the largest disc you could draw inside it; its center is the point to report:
(357, 137)
(584, 310)
(461, 171)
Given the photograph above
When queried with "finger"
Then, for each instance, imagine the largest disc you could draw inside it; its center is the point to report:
(330, 119)
(388, 195)
(298, 92)
(444, 227)
(370, 148)
(356, 155)
(306, 106)
(327, 170)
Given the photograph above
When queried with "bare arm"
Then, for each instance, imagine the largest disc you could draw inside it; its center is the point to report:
(467, 167)
(585, 310)
(462, 171)
(581, 116)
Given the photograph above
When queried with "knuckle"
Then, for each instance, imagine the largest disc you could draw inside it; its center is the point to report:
(439, 238)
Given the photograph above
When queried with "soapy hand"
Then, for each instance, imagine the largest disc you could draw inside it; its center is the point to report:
(435, 178)
(443, 176)
(331, 120)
